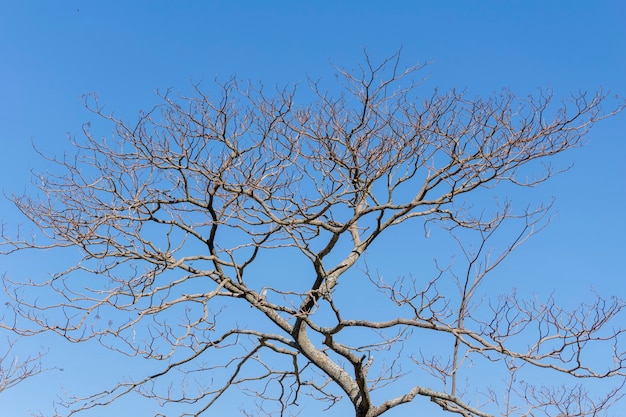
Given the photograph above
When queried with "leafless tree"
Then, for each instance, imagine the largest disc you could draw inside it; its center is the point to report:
(224, 236)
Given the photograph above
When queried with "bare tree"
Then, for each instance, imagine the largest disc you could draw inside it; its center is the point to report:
(224, 236)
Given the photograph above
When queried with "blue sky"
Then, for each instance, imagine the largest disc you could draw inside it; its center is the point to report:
(53, 52)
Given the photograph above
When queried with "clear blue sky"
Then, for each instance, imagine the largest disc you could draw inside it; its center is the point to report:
(52, 52)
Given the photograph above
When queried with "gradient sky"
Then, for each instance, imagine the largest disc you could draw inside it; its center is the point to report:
(53, 52)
